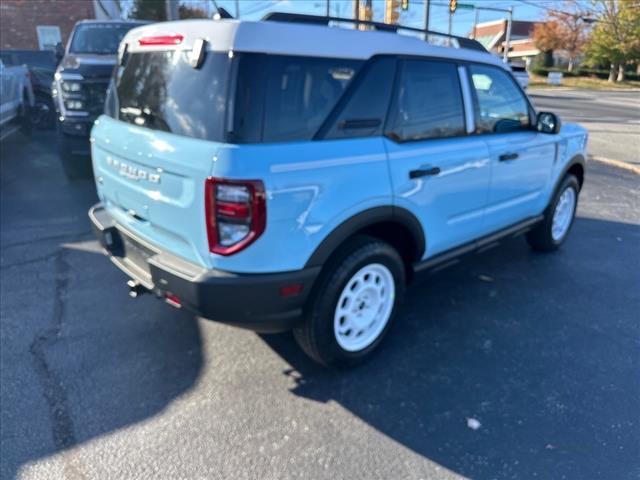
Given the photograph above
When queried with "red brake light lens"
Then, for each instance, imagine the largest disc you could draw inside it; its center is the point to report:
(161, 40)
(235, 214)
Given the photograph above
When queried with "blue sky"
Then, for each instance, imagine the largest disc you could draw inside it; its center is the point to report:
(462, 22)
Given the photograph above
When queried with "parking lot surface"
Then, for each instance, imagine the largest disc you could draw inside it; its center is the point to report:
(510, 364)
(612, 118)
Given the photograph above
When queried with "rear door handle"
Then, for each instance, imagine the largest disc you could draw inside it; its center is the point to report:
(508, 156)
(424, 171)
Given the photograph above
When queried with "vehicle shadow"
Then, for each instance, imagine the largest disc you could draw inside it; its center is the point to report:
(78, 361)
(525, 344)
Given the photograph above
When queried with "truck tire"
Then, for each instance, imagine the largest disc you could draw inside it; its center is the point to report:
(354, 304)
(43, 115)
(549, 234)
(26, 126)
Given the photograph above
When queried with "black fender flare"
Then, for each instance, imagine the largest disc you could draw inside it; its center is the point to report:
(575, 160)
(365, 219)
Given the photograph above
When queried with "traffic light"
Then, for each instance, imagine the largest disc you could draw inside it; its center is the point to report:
(391, 13)
(404, 4)
(453, 4)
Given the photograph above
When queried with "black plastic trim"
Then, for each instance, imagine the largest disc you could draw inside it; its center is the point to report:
(463, 42)
(484, 243)
(246, 300)
(363, 220)
(575, 160)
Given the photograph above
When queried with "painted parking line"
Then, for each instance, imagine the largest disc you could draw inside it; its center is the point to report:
(616, 163)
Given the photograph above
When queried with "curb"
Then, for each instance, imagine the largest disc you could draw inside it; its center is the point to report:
(617, 163)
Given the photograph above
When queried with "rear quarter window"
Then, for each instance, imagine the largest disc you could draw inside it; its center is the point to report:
(428, 102)
(287, 98)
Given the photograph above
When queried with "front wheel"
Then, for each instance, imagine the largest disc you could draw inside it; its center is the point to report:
(352, 309)
(549, 234)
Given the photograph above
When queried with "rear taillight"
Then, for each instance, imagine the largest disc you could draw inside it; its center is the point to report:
(236, 213)
(161, 40)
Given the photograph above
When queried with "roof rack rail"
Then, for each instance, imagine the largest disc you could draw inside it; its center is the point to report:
(463, 42)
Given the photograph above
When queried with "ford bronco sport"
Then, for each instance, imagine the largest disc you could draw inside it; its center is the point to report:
(287, 174)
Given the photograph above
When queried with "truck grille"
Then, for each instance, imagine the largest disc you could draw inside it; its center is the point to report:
(95, 93)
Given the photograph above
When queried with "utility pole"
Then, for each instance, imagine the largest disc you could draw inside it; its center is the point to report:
(328, 8)
(356, 12)
(426, 18)
(507, 42)
(172, 9)
(237, 9)
(450, 22)
(475, 22)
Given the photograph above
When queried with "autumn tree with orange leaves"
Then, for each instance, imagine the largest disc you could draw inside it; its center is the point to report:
(565, 29)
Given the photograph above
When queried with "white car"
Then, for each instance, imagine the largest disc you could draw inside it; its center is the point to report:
(521, 74)
(16, 100)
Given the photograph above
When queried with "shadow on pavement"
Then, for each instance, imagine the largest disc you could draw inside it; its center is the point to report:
(526, 344)
(76, 364)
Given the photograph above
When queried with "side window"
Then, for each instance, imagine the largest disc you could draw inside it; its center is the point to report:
(364, 112)
(428, 101)
(301, 92)
(500, 105)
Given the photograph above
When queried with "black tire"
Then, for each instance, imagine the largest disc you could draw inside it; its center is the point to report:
(316, 334)
(541, 238)
(43, 114)
(26, 127)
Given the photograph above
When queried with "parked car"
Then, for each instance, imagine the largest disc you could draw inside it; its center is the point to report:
(283, 175)
(80, 85)
(521, 75)
(16, 100)
(42, 65)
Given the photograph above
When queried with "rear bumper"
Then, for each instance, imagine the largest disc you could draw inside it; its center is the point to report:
(247, 300)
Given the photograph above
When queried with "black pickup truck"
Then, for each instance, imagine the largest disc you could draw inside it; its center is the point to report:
(79, 87)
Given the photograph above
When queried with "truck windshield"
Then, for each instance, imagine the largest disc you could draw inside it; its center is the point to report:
(99, 38)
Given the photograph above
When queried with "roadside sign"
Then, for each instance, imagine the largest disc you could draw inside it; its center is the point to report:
(468, 6)
(554, 78)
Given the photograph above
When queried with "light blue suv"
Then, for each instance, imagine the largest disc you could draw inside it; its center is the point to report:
(286, 174)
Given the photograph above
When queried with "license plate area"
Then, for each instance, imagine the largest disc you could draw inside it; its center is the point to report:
(136, 255)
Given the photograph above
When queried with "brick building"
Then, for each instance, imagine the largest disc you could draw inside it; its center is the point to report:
(40, 24)
(493, 35)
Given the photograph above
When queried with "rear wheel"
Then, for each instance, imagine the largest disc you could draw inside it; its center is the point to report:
(549, 234)
(352, 309)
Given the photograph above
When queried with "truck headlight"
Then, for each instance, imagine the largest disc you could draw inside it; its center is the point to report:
(74, 104)
(71, 86)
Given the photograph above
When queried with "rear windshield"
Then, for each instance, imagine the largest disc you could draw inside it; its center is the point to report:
(162, 91)
(274, 98)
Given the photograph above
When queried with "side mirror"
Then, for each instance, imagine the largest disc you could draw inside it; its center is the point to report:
(59, 51)
(548, 123)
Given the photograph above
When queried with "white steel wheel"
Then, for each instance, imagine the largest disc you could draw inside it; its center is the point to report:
(563, 214)
(364, 307)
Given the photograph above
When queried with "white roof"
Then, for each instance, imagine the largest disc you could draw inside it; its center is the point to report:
(302, 39)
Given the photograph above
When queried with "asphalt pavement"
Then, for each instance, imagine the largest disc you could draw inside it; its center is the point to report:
(511, 364)
(612, 118)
